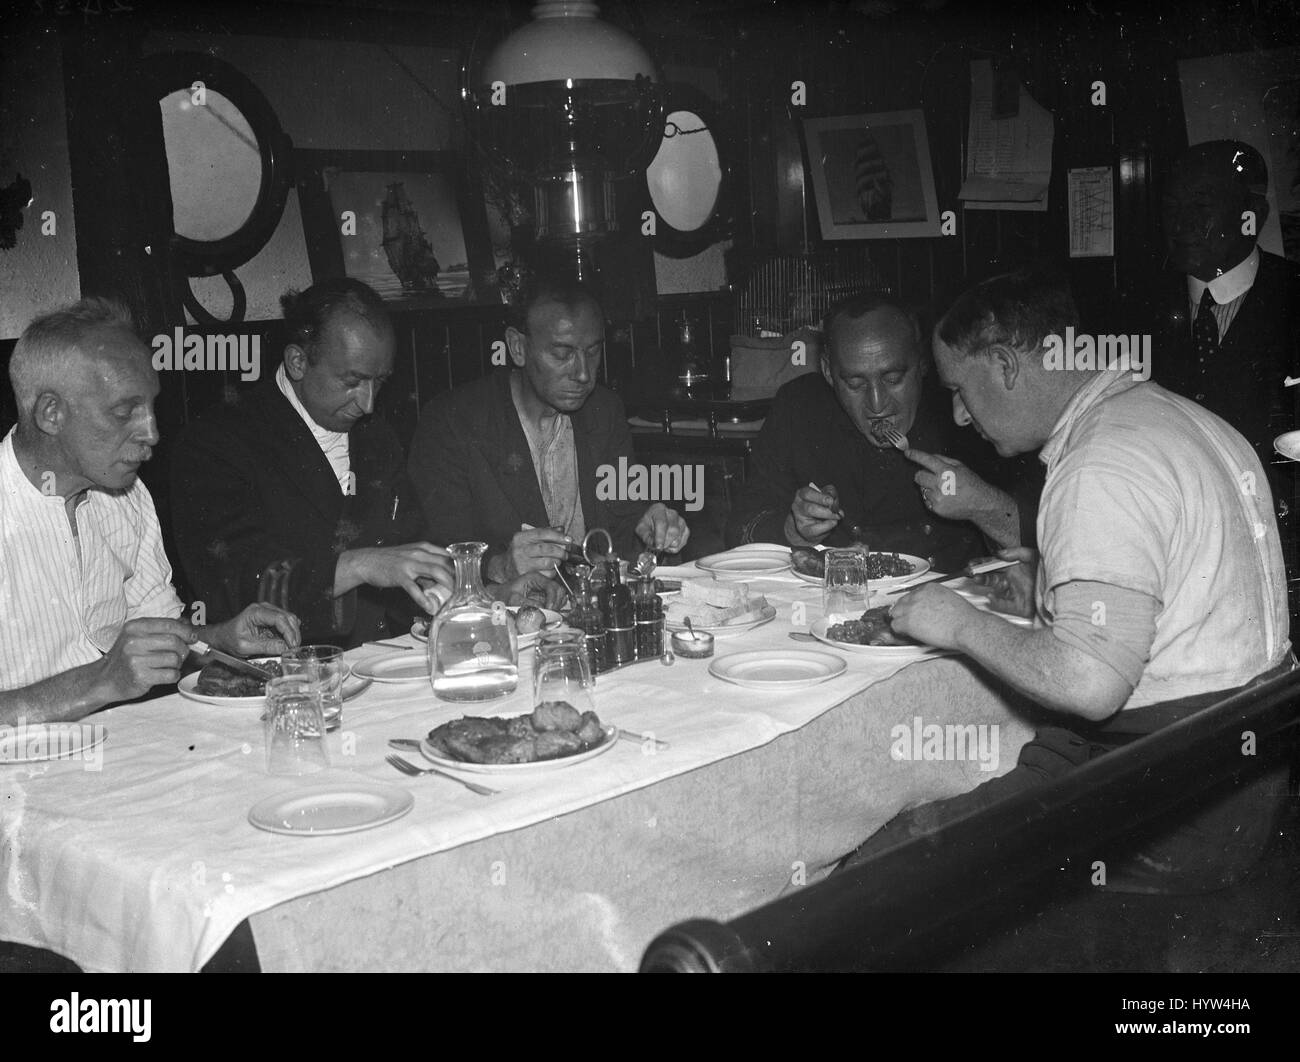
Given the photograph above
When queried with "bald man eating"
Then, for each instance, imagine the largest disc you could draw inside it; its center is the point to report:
(88, 615)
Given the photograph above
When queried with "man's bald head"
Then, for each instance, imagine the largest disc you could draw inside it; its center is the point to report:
(1214, 206)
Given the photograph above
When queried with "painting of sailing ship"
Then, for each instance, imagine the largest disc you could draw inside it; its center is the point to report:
(408, 237)
(871, 176)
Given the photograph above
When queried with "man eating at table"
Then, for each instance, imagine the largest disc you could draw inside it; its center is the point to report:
(514, 459)
(296, 492)
(1160, 582)
(824, 472)
(89, 616)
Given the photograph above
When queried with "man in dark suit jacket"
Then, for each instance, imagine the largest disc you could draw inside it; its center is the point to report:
(1230, 335)
(296, 493)
(821, 466)
(478, 449)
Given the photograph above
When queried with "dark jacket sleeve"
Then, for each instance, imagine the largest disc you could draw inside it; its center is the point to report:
(619, 517)
(441, 470)
(226, 538)
(764, 503)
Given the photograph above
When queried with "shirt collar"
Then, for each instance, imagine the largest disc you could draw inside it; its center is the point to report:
(14, 482)
(1104, 386)
(323, 435)
(1230, 286)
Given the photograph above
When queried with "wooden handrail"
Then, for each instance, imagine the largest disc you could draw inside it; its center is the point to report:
(891, 903)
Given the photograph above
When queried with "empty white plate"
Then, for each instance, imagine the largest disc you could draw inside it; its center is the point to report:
(409, 666)
(330, 809)
(783, 669)
(36, 742)
(754, 559)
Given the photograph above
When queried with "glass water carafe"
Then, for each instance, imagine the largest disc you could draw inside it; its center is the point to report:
(473, 645)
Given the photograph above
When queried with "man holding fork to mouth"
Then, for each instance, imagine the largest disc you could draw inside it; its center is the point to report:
(825, 469)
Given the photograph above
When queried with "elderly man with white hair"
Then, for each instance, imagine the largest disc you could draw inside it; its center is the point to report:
(88, 614)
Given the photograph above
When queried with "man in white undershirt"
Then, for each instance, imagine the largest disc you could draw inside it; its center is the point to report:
(88, 615)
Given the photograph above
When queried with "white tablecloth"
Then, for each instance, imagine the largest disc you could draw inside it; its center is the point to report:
(150, 862)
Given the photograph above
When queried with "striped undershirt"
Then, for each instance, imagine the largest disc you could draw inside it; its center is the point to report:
(1228, 291)
(60, 607)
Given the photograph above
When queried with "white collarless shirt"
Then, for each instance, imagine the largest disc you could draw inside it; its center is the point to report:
(333, 444)
(60, 606)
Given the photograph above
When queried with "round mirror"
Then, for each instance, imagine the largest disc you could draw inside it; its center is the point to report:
(229, 162)
(213, 164)
(687, 180)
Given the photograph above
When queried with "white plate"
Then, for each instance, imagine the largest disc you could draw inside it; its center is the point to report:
(420, 628)
(1288, 445)
(878, 652)
(766, 616)
(409, 666)
(188, 687)
(439, 760)
(754, 559)
(322, 811)
(919, 567)
(37, 742)
(784, 669)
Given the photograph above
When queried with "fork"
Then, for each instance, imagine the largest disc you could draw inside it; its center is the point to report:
(894, 437)
(411, 769)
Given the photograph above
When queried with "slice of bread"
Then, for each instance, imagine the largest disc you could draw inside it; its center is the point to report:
(713, 603)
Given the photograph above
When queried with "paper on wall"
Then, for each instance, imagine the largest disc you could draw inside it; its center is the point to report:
(1008, 160)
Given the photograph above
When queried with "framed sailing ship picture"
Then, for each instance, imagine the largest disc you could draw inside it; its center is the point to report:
(871, 176)
(407, 223)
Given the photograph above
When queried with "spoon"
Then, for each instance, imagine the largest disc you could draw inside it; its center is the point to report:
(689, 629)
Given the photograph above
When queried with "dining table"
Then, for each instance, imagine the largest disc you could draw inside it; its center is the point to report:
(143, 857)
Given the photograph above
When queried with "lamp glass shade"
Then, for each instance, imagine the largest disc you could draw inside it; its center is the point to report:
(567, 41)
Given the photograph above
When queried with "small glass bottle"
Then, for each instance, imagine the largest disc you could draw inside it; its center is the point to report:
(586, 617)
(473, 645)
(694, 372)
(620, 624)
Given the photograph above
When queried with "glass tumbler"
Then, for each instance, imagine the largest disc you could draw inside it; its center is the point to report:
(845, 589)
(323, 664)
(295, 726)
(561, 671)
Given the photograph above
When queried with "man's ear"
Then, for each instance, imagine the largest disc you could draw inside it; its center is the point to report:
(1006, 361)
(295, 362)
(515, 344)
(825, 364)
(50, 413)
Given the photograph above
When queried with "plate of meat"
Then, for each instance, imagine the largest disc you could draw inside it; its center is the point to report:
(884, 570)
(554, 735)
(222, 685)
(871, 635)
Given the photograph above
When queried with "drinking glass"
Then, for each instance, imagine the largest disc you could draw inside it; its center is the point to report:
(295, 726)
(845, 590)
(561, 671)
(322, 664)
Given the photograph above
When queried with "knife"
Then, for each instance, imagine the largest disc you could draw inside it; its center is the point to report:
(972, 569)
(238, 663)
